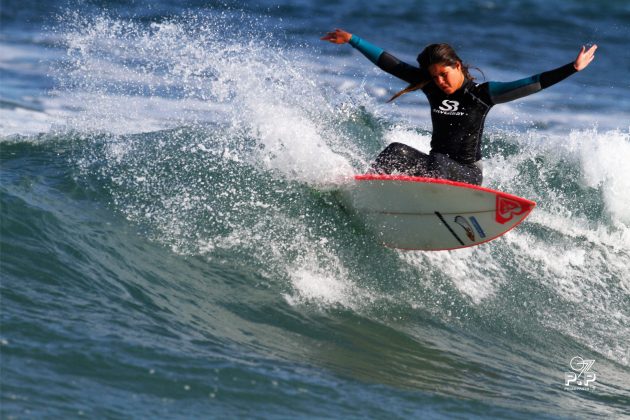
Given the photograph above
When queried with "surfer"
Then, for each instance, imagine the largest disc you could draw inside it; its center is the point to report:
(458, 107)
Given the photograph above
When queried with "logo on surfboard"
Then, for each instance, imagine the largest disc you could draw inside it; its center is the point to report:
(467, 228)
(507, 208)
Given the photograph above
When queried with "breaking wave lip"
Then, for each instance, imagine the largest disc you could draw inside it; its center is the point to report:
(245, 82)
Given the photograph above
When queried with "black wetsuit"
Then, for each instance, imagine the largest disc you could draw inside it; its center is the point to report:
(458, 118)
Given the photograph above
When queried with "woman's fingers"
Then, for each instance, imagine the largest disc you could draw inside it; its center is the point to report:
(585, 57)
(338, 36)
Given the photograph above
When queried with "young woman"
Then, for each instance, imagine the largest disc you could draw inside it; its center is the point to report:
(458, 107)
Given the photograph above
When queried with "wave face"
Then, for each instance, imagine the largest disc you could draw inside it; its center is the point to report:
(172, 244)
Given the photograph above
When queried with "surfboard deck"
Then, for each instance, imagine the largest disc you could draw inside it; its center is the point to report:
(418, 213)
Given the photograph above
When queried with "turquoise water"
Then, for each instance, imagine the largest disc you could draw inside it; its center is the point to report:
(172, 246)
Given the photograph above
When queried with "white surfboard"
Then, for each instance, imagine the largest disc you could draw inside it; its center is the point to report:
(432, 214)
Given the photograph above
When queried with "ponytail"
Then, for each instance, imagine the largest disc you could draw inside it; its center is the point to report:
(411, 88)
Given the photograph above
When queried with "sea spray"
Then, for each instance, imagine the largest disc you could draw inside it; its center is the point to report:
(131, 77)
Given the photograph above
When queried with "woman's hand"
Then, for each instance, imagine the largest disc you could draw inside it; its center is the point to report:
(584, 58)
(338, 36)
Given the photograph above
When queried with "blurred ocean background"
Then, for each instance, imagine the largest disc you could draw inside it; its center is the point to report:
(171, 244)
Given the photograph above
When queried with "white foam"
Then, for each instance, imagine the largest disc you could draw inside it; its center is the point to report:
(129, 78)
(21, 121)
(604, 158)
(475, 272)
(403, 134)
(313, 284)
(315, 274)
(293, 144)
(600, 156)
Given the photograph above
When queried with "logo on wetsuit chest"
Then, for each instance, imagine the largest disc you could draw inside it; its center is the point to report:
(448, 107)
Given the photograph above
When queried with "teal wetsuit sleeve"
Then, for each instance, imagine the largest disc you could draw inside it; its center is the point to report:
(501, 92)
(372, 52)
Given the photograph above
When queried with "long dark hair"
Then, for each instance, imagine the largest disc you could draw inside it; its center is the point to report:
(434, 54)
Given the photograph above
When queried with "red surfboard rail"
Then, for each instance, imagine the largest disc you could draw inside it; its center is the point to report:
(408, 178)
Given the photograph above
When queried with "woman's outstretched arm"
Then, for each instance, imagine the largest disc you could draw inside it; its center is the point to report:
(501, 92)
(377, 55)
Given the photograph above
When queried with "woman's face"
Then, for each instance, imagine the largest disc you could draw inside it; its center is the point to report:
(447, 78)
